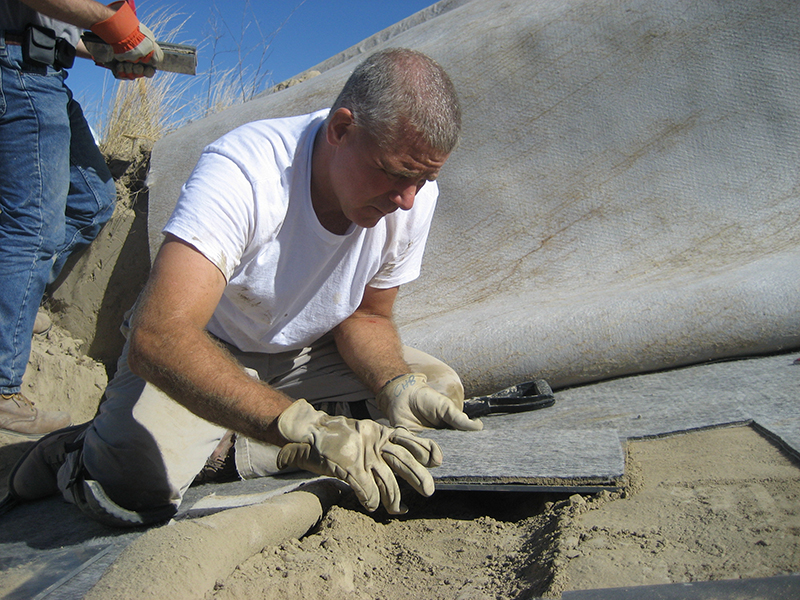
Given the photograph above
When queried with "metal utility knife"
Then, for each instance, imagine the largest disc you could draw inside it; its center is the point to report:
(530, 395)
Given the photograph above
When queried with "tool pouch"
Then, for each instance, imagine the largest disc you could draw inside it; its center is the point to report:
(41, 48)
(65, 54)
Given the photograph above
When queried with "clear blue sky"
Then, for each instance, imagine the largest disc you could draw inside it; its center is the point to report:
(305, 33)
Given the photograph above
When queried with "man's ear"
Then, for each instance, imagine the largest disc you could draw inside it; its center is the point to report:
(339, 125)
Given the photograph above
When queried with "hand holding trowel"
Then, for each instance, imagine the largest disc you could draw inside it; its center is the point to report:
(129, 49)
(177, 58)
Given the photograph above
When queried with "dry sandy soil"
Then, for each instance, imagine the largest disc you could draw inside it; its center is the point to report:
(711, 505)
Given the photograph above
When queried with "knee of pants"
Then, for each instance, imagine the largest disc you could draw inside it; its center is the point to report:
(130, 479)
(90, 497)
(122, 455)
(144, 448)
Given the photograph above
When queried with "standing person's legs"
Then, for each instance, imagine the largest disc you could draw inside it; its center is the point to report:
(92, 194)
(34, 181)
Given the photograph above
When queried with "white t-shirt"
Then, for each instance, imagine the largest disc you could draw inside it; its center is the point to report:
(247, 208)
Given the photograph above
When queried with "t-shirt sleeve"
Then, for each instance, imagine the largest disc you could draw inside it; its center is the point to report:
(214, 212)
(403, 262)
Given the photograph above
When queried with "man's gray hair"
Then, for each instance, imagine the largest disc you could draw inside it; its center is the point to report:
(397, 93)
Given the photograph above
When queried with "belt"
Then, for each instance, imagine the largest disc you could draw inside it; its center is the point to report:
(61, 55)
(15, 39)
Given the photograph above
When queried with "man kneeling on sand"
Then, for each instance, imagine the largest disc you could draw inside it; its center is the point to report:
(268, 313)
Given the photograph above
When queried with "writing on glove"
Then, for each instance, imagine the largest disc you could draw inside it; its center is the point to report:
(363, 453)
(410, 402)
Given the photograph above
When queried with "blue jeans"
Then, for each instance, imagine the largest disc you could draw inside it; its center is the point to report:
(56, 193)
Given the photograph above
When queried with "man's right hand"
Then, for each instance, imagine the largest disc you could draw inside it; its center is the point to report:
(363, 453)
(131, 41)
(409, 401)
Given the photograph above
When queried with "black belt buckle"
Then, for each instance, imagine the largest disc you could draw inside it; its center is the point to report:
(39, 46)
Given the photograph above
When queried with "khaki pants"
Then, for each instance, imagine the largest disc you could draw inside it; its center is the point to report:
(145, 449)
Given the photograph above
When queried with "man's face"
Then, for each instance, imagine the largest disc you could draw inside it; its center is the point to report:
(371, 183)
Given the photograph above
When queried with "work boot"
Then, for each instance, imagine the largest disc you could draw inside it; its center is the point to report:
(42, 324)
(35, 475)
(221, 465)
(19, 416)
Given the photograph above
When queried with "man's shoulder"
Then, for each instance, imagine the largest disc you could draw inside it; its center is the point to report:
(267, 134)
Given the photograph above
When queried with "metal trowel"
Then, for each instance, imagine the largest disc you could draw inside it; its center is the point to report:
(178, 58)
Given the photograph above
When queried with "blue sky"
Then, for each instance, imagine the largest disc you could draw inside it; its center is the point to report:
(306, 32)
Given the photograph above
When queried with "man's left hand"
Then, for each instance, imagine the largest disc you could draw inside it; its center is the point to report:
(410, 402)
(127, 70)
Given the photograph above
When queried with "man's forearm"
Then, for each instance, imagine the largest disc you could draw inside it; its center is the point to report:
(170, 348)
(370, 345)
(198, 373)
(81, 13)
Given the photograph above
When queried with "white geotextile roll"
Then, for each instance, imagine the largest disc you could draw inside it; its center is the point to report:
(626, 194)
(184, 559)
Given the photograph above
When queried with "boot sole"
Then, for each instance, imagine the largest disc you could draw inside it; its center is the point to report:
(11, 497)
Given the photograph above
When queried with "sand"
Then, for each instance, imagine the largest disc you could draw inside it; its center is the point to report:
(714, 505)
(711, 505)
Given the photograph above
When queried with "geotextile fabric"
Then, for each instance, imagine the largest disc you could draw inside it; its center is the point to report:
(626, 195)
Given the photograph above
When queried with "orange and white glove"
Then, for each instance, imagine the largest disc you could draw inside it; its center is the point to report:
(409, 401)
(364, 454)
(136, 52)
(126, 70)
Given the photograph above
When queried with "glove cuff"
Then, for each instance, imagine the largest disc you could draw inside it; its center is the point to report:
(120, 30)
(295, 423)
(396, 387)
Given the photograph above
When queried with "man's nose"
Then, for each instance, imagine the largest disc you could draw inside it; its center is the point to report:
(404, 194)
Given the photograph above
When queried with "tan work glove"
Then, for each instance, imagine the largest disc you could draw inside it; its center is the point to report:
(131, 41)
(363, 453)
(409, 401)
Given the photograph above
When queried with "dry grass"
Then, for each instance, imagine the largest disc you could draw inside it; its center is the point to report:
(144, 110)
(137, 116)
(141, 112)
